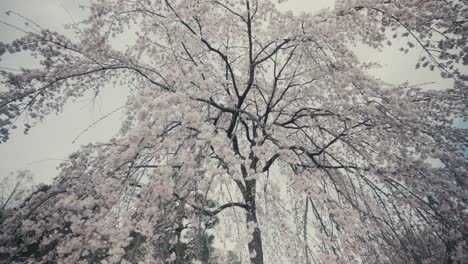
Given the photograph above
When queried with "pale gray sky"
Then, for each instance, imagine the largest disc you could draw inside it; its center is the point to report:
(49, 143)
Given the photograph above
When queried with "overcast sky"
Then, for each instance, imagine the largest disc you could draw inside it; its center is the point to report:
(51, 142)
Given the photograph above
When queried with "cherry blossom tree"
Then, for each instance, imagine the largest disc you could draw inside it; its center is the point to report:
(269, 114)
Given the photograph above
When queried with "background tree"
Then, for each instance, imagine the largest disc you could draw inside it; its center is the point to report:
(14, 189)
(269, 114)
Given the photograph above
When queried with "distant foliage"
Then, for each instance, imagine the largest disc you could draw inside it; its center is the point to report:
(14, 189)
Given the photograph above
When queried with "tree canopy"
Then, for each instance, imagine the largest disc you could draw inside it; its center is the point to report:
(268, 114)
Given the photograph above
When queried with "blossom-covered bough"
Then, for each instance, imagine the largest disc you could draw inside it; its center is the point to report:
(269, 114)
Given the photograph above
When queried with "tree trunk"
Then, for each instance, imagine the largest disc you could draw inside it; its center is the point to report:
(255, 246)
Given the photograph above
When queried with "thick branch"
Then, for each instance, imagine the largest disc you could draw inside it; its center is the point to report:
(215, 211)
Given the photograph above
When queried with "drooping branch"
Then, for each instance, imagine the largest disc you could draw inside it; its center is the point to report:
(213, 212)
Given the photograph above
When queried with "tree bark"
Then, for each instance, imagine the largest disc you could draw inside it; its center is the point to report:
(255, 246)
